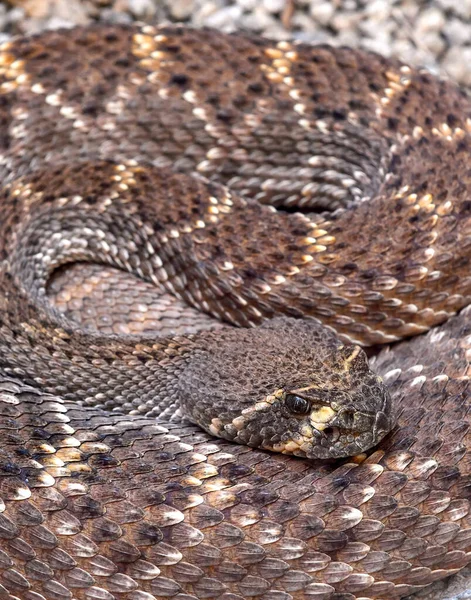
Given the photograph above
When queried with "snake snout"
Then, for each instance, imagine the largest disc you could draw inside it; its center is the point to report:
(361, 421)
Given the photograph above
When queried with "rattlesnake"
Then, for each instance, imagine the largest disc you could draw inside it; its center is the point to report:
(157, 151)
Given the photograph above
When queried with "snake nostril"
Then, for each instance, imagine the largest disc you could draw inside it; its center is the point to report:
(347, 418)
(333, 433)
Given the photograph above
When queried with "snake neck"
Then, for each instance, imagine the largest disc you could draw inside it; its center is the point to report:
(131, 374)
(238, 384)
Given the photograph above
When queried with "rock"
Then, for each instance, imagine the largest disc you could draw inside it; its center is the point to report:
(258, 20)
(225, 18)
(200, 16)
(112, 16)
(457, 32)
(378, 10)
(456, 64)
(142, 8)
(433, 42)
(323, 12)
(274, 6)
(181, 9)
(247, 4)
(346, 20)
(458, 7)
(432, 19)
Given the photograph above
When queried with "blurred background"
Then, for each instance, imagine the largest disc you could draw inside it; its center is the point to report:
(432, 33)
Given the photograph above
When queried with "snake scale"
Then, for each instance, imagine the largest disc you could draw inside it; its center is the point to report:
(260, 183)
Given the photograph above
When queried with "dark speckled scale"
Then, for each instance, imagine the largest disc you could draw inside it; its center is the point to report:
(102, 130)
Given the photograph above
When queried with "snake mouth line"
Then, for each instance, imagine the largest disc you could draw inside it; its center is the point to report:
(320, 434)
(302, 443)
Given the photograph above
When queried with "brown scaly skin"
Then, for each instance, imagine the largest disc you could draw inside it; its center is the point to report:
(99, 297)
(120, 507)
(238, 384)
(97, 503)
(285, 124)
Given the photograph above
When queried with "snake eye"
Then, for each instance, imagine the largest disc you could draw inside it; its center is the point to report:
(297, 405)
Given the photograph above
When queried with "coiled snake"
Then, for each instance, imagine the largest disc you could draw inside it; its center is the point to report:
(116, 146)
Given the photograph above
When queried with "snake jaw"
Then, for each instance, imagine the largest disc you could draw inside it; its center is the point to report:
(337, 426)
(323, 434)
(338, 430)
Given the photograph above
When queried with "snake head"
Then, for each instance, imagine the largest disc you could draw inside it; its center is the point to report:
(345, 414)
(289, 386)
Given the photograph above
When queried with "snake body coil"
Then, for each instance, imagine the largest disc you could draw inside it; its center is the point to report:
(105, 135)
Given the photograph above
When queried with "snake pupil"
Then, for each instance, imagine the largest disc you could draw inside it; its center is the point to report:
(297, 405)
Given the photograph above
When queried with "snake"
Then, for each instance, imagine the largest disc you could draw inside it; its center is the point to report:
(203, 237)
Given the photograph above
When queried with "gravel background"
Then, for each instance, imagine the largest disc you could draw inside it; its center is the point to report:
(431, 33)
